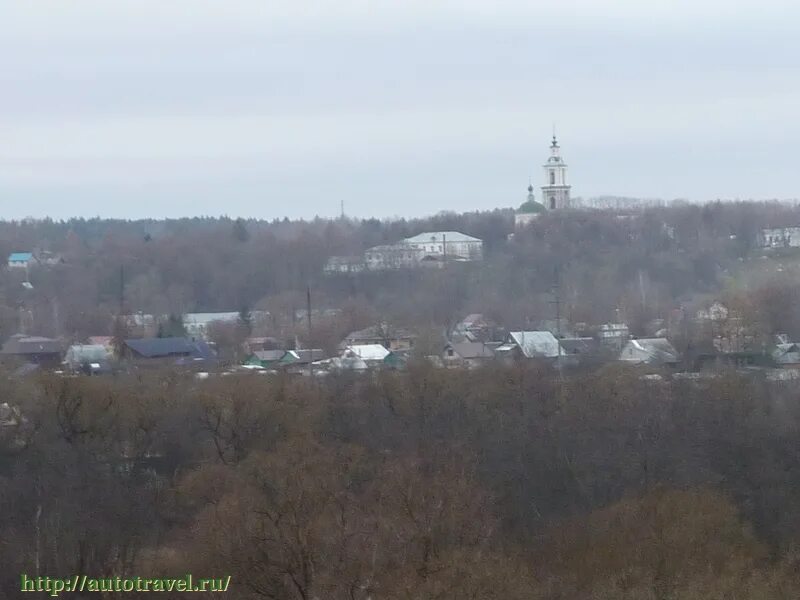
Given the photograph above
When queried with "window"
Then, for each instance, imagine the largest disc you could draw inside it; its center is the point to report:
(552, 177)
(552, 202)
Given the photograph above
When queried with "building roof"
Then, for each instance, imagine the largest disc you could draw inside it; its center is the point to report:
(20, 256)
(84, 353)
(174, 346)
(309, 355)
(652, 350)
(21, 344)
(578, 345)
(473, 320)
(438, 236)
(536, 343)
(786, 353)
(366, 351)
(269, 355)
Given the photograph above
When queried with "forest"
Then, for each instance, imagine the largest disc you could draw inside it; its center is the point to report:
(501, 483)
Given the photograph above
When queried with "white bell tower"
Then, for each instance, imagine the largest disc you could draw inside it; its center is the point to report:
(555, 191)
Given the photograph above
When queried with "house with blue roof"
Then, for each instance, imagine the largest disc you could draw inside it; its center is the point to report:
(179, 351)
(20, 260)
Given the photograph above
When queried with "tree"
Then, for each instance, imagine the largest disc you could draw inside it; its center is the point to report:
(172, 327)
(240, 232)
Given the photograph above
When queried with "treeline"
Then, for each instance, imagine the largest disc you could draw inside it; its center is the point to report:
(503, 483)
(609, 265)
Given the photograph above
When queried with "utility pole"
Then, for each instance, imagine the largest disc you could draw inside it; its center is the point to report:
(341, 209)
(557, 302)
(121, 290)
(310, 344)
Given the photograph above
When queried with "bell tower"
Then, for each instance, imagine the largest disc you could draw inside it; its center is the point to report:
(555, 191)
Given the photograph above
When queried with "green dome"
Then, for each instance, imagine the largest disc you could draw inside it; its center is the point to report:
(531, 206)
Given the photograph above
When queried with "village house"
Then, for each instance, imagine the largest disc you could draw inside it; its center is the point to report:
(176, 351)
(649, 351)
(786, 354)
(476, 328)
(274, 359)
(580, 346)
(390, 337)
(42, 351)
(779, 237)
(20, 260)
(613, 335)
(267, 359)
(25, 260)
(466, 354)
(360, 357)
(530, 344)
(89, 359)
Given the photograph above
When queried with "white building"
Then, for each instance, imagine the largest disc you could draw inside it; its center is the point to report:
(345, 264)
(780, 237)
(447, 245)
(556, 190)
(433, 248)
(391, 256)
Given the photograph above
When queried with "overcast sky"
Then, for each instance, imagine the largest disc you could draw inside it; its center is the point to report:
(142, 108)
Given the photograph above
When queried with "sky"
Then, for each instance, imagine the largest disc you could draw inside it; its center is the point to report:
(268, 109)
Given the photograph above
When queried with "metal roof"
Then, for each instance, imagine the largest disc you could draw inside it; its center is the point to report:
(308, 355)
(175, 346)
(23, 344)
(366, 351)
(536, 343)
(269, 355)
(651, 350)
(80, 353)
(438, 236)
(20, 256)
